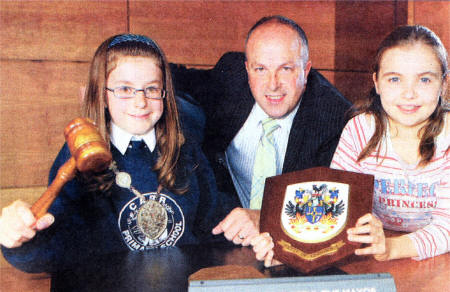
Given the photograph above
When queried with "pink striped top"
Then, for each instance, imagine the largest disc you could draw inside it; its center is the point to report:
(406, 198)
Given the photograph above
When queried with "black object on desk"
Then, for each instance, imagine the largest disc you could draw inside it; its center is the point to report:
(165, 269)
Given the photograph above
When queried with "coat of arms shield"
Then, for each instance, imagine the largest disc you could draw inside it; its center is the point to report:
(307, 212)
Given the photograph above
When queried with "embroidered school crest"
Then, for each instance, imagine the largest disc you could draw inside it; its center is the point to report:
(157, 221)
(314, 211)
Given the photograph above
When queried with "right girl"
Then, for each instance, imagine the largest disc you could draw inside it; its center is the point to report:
(401, 135)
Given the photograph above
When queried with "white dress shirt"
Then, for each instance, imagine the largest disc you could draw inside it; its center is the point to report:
(240, 154)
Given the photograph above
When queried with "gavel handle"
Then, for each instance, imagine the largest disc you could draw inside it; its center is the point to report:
(65, 173)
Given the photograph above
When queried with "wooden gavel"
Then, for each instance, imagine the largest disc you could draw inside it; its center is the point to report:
(89, 153)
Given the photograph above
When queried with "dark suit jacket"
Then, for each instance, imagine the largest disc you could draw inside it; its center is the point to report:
(225, 96)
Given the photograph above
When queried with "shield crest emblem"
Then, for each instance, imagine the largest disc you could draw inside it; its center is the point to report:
(307, 212)
(314, 211)
(314, 214)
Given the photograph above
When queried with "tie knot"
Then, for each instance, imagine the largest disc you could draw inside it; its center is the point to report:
(269, 125)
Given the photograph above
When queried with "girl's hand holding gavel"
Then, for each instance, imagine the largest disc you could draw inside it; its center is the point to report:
(19, 221)
(19, 225)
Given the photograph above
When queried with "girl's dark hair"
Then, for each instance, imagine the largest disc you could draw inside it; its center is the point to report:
(402, 36)
(169, 136)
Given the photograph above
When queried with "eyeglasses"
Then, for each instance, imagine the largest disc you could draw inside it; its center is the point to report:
(130, 92)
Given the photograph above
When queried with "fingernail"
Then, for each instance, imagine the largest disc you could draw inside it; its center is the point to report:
(45, 222)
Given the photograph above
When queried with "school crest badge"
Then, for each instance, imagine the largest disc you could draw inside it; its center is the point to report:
(157, 221)
(314, 207)
(315, 211)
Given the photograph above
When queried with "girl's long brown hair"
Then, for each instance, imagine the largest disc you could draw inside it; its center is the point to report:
(169, 136)
(402, 36)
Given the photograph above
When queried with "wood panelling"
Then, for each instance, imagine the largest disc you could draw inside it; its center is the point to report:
(199, 32)
(29, 195)
(353, 85)
(436, 16)
(360, 27)
(37, 100)
(58, 30)
(342, 35)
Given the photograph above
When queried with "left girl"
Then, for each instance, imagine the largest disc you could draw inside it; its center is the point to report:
(159, 191)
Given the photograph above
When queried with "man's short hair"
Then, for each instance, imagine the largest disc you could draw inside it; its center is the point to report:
(286, 21)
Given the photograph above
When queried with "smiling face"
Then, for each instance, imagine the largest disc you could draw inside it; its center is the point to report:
(276, 72)
(137, 115)
(409, 83)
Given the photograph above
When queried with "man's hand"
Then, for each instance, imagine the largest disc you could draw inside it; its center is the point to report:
(240, 226)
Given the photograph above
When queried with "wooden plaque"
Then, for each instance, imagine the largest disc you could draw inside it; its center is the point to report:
(307, 214)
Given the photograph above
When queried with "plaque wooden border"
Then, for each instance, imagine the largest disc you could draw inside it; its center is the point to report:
(314, 256)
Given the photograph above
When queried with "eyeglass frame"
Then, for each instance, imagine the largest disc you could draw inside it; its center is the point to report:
(135, 91)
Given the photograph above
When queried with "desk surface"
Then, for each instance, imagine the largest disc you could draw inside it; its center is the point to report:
(164, 269)
(168, 270)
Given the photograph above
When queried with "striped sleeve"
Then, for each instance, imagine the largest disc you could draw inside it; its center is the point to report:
(433, 239)
(352, 141)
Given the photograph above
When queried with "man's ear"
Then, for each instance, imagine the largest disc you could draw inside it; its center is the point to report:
(375, 82)
(307, 69)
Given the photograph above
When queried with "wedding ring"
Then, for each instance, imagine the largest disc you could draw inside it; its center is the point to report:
(241, 237)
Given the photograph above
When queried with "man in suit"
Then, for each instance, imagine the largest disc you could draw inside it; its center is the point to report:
(273, 82)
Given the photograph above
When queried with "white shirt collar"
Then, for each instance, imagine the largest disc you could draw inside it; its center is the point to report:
(121, 138)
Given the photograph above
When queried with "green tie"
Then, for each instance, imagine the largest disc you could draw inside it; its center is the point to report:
(265, 162)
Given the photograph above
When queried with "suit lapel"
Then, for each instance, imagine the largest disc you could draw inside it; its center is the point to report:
(297, 156)
(240, 108)
(293, 155)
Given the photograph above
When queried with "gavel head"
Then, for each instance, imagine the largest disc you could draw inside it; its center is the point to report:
(87, 146)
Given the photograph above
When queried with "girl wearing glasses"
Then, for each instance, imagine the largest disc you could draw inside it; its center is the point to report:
(401, 135)
(158, 192)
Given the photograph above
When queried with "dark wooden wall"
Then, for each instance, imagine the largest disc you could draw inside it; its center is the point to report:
(45, 48)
